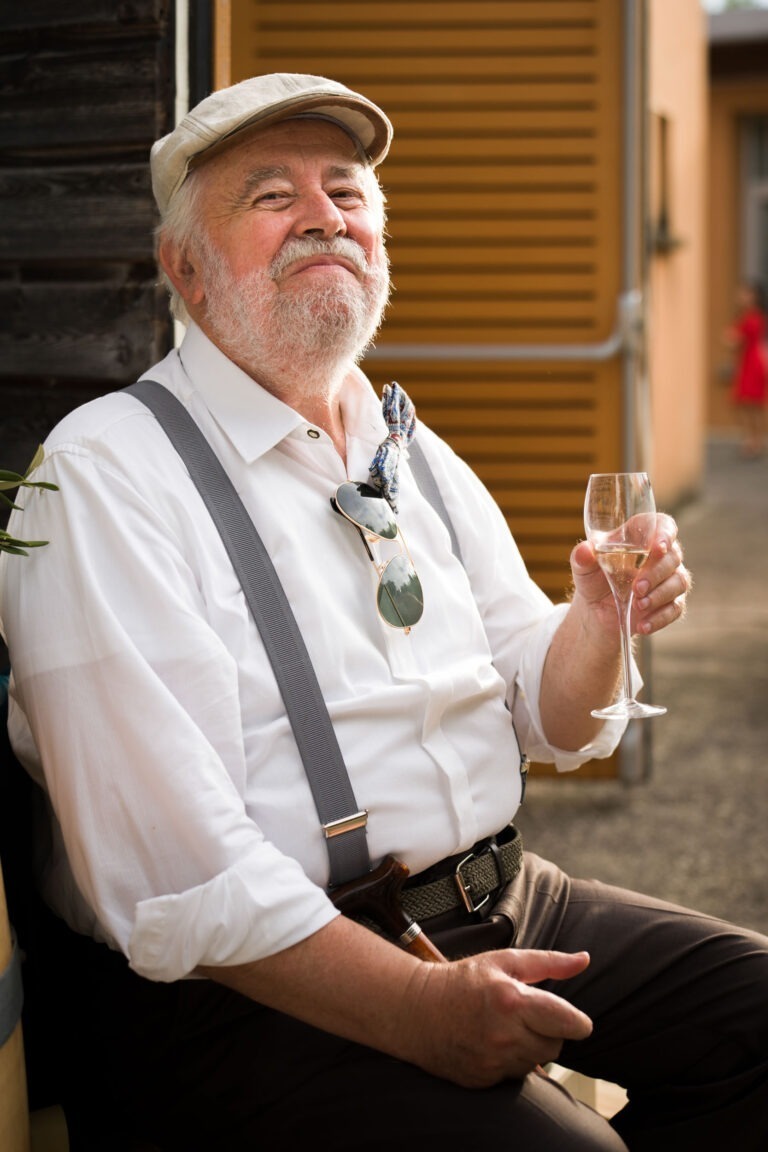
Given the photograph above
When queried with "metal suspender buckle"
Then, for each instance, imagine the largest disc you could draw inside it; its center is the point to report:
(345, 824)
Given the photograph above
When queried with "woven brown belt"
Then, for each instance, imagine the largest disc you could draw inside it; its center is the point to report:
(471, 880)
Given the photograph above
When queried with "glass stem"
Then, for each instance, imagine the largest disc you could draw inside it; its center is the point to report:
(625, 614)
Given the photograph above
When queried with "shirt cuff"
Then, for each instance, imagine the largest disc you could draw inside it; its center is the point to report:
(243, 914)
(528, 687)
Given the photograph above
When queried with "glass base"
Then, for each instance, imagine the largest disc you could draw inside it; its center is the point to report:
(628, 710)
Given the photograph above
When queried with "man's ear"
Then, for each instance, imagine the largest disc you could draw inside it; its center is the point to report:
(181, 270)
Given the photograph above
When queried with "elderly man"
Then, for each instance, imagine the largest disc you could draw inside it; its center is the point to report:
(224, 998)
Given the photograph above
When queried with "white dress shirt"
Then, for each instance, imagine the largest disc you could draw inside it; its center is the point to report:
(185, 831)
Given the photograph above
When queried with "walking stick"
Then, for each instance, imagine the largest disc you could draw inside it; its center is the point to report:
(377, 895)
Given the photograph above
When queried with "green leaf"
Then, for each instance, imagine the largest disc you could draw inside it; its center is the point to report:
(10, 480)
(37, 459)
(18, 547)
(14, 480)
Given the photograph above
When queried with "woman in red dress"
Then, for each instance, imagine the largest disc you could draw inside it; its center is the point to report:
(749, 390)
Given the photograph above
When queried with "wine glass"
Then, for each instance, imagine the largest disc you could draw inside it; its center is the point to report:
(620, 522)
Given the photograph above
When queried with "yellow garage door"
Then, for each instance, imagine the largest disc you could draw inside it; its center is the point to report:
(504, 187)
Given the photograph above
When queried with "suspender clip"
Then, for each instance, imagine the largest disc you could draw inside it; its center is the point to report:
(346, 824)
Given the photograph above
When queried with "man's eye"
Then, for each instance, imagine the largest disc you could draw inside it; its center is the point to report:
(270, 197)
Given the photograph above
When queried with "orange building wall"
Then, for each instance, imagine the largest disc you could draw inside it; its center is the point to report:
(677, 352)
(248, 36)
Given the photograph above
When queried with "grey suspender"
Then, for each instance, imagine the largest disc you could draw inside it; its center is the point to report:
(340, 816)
(428, 487)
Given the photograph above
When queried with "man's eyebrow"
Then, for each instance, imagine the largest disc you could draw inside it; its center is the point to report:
(259, 176)
(346, 171)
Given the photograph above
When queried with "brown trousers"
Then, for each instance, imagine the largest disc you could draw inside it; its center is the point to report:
(678, 1001)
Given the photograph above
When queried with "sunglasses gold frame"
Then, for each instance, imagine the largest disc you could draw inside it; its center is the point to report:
(400, 603)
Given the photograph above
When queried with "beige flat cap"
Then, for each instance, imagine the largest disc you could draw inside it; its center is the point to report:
(217, 120)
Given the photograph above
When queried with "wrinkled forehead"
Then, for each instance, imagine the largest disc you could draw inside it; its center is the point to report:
(291, 145)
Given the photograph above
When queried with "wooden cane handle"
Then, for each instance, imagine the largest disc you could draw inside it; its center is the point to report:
(377, 896)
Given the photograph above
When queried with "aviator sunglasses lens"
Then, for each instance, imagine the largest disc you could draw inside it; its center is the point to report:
(366, 507)
(399, 597)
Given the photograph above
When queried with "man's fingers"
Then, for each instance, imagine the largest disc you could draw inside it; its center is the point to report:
(583, 559)
(531, 965)
(545, 1013)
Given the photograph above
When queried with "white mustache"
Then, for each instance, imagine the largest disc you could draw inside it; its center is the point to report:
(303, 246)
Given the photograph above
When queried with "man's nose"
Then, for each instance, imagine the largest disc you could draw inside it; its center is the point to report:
(321, 217)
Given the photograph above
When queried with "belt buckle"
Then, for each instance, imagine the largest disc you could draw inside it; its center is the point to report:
(465, 888)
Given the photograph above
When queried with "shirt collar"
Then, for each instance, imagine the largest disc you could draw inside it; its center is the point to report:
(253, 419)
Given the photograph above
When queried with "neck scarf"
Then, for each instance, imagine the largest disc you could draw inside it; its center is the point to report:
(400, 416)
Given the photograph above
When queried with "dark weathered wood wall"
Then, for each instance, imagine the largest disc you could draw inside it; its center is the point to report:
(85, 87)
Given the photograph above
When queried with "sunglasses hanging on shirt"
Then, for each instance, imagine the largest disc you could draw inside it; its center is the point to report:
(399, 596)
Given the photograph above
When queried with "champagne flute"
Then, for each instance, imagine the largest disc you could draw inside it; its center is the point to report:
(620, 522)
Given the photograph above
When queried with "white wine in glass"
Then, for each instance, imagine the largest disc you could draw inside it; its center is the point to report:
(620, 522)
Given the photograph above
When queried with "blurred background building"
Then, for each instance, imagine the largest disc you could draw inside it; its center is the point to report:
(574, 190)
(737, 178)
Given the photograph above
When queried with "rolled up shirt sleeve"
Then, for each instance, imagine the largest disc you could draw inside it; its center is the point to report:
(251, 909)
(524, 703)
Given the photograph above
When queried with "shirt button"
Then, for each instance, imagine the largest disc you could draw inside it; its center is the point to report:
(313, 433)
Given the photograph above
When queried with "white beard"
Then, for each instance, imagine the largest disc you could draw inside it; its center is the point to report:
(304, 339)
